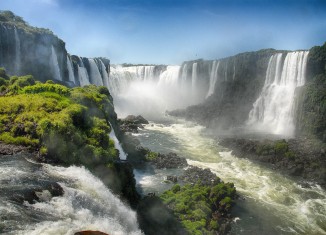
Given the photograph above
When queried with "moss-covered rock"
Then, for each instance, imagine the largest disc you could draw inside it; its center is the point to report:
(201, 207)
(66, 126)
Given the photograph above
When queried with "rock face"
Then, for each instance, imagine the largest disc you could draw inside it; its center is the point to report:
(311, 109)
(238, 82)
(29, 50)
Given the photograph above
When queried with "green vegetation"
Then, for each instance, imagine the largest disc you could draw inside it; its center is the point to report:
(279, 148)
(197, 206)
(66, 125)
(150, 156)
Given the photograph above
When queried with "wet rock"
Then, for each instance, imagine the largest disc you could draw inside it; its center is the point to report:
(132, 123)
(10, 149)
(136, 119)
(39, 194)
(172, 178)
(170, 160)
(195, 174)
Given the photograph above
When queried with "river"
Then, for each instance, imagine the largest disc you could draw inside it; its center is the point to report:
(272, 203)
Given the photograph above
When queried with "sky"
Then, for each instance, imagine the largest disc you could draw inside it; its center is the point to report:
(173, 31)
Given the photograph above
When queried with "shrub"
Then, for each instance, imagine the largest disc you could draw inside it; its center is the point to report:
(150, 156)
(281, 147)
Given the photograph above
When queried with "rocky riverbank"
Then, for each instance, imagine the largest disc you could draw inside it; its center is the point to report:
(198, 201)
(301, 158)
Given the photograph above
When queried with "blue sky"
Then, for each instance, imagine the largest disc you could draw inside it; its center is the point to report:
(172, 31)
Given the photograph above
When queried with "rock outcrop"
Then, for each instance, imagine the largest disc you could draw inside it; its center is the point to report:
(301, 158)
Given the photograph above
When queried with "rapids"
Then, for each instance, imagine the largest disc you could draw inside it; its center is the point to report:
(86, 204)
(274, 204)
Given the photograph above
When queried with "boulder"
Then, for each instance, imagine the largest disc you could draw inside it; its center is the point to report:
(194, 174)
(38, 194)
(170, 160)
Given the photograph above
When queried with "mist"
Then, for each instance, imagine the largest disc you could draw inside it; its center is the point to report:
(142, 90)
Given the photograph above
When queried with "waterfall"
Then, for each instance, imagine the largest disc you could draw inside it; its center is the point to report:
(226, 71)
(105, 75)
(70, 70)
(95, 75)
(17, 53)
(82, 74)
(54, 64)
(170, 76)
(121, 77)
(117, 145)
(194, 77)
(213, 78)
(87, 204)
(149, 72)
(233, 72)
(273, 110)
(184, 73)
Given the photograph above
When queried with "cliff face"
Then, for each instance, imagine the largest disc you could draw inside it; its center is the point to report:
(238, 82)
(29, 50)
(311, 99)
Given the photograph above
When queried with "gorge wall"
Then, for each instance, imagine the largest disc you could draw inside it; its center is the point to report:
(29, 50)
(257, 91)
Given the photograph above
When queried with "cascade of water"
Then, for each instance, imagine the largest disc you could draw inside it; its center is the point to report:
(54, 64)
(226, 71)
(70, 70)
(184, 73)
(233, 72)
(213, 78)
(149, 73)
(170, 76)
(194, 77)
(117, 145)
(18, 55)
(87, 204)
(82, 74)
(120, 78)
(105, 75)
(273, 110)
(95, 75)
